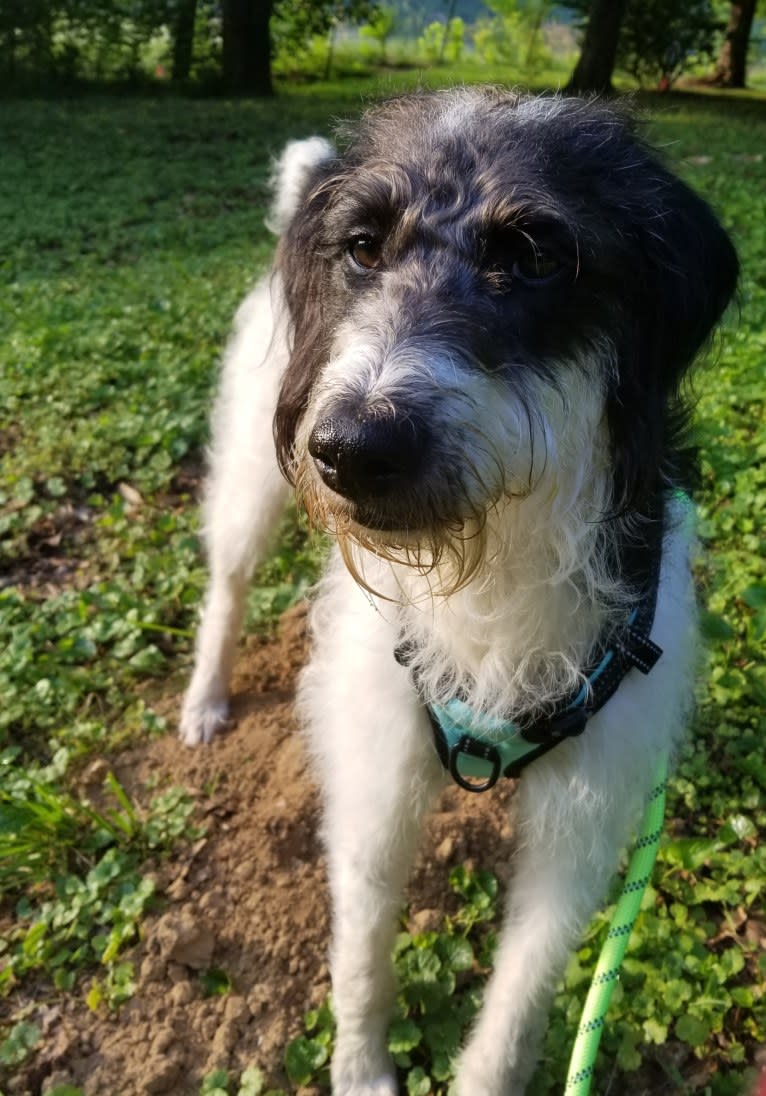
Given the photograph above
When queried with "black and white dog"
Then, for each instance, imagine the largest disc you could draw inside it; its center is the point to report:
(470, 351)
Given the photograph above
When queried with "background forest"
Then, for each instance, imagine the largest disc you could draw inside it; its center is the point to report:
(238, 45)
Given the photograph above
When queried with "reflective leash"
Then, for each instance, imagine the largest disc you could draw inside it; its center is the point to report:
(610, 960)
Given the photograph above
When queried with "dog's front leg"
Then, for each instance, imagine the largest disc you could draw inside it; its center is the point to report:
(379, 772)
(372, 824)
(571, 826)
(245, 496)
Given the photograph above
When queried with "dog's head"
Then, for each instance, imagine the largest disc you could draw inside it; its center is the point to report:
(488, 295)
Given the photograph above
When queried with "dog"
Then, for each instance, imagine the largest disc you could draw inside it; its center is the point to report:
(470, 353)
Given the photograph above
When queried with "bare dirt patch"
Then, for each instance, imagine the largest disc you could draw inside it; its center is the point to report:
(54, 557)
(249, 899)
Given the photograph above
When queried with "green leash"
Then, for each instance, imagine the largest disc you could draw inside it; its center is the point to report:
(608, 969)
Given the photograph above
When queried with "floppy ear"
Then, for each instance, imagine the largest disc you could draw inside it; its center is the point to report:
(685, 277)
(303, 192)
(292, 178)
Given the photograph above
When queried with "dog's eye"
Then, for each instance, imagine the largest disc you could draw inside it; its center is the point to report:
(522, 254)
(536, 267)
(365, 252)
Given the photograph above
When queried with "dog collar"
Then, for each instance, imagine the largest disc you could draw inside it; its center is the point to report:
(477, 749)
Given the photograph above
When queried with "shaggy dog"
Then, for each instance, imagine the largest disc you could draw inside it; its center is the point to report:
(470, 352)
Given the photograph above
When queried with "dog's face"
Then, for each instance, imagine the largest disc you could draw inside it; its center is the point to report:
(486, 292)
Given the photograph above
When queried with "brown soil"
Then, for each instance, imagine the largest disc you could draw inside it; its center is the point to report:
(54, 553)
(248, 898)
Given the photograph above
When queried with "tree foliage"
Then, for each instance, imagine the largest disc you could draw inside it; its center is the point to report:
(379, 27)
(660, 39)
(232, 43)
(59, 39)
(654, 40)
(295, 22)
(512, 35)
(443, 41)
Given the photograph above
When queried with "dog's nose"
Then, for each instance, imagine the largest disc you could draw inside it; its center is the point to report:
(365, 456)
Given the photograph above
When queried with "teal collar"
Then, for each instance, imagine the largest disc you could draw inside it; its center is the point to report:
(477, 749)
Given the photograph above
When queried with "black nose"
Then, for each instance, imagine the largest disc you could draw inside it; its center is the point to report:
(367, 457)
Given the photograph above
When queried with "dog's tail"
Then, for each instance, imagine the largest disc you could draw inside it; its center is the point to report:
(291, 177)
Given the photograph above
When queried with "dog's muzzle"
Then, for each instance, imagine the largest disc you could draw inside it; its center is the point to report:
(368, 458)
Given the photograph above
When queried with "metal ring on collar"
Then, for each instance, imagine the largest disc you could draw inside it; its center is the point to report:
(469, 747)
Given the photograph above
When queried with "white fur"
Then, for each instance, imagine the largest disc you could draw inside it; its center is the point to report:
(291, 171)
(518, 631)
(245, 497)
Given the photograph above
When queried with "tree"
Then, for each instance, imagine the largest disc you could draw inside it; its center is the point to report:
(380, 27)
(45, 41)
(593, 71)
(247, 47)
(183, 17)
(512, 34)
(731, 68)
(296, 23)
(449, 16)
(661, 38)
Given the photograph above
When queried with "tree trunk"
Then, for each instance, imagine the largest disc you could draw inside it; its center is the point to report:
(445, 34)
(534, 34)
(42, 43)
(731, 69)
(246, 47)
(593, 71)
(330, 50)
(183, 39)
(10, 54)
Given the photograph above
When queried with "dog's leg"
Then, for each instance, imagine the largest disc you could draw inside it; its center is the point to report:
(578, 807)
(245, 496)
(379, 772)
(372, 825)
(571, 827)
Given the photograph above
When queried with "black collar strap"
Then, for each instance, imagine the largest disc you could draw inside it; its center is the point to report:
(476, 750)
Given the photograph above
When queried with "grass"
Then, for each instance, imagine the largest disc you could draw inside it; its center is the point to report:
(129, 230)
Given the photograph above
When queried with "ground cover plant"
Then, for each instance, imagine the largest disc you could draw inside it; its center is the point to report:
(129, 230)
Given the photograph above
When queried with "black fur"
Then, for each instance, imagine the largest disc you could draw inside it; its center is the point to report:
(461, 209)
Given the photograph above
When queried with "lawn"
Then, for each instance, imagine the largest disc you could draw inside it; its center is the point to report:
(129, 230)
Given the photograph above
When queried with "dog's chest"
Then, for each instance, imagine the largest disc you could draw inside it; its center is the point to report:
(504, 647)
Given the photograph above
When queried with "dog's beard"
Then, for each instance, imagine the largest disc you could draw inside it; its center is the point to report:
(446, 550)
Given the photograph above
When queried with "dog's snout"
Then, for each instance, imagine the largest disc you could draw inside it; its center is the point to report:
(366, 456)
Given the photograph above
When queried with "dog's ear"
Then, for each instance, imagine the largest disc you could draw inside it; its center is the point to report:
(680, 287)
(292, 177)
(304, 187)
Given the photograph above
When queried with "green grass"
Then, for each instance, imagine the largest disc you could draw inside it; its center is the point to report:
(129, 230)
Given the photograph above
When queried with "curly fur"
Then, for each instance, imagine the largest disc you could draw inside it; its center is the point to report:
(471, 352)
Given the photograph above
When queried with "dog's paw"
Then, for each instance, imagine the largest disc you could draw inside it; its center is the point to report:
(200, 720)
(368, 1072)
(378, 1086)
